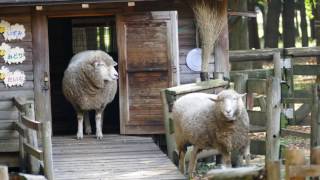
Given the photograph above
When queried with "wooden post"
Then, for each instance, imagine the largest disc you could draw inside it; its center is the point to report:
(277, 65)
(315, 118)
(294, 157)
(47, 150)
(315, 157)
(169, 136)
(240, 84)
(22, 153)
(33, 163)
(4, 175)
(273, 170)
(273, 119)
(221, 53)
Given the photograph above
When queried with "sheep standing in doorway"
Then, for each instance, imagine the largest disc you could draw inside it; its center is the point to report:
(90, 83)
(210, 121)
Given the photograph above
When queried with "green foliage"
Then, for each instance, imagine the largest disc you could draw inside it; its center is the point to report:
(310, 4)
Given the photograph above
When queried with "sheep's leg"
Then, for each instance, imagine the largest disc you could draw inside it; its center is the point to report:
(226, 159)
(87, 124)
(98, 125)
(182, 154)
(80, 125)
(193, 161)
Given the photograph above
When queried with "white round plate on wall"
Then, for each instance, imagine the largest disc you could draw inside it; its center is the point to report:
(194, 59)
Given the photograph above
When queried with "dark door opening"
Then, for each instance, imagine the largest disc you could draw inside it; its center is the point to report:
(68, 36)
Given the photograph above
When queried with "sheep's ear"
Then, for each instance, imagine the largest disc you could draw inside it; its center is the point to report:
(115, 63)
(215, 99)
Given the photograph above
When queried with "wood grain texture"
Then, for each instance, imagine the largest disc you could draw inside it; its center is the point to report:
(115, 157)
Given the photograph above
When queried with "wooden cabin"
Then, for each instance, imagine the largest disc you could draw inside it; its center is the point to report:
(148, 38)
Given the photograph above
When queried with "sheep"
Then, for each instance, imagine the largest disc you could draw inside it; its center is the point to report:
(90, 83)
(209, 121)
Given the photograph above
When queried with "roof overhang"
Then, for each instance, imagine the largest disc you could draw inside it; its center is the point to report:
(59, 2)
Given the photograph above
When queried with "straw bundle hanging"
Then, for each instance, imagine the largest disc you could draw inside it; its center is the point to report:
(209, 17)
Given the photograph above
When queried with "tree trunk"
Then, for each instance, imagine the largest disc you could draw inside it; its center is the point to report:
(238, 36)
(272, 26)
(288, 24)
(254, 41)
(317, 30)
(303, 24)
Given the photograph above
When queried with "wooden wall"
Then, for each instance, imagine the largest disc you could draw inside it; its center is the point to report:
(187, 42)
(8, 114)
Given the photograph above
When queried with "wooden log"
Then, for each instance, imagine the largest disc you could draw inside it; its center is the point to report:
(273, 170)
(4, 175)
(277, 65)
(294, 157)
(315, 118)
(306, 70)
(252, 172)
(273, 119)
(47, 150)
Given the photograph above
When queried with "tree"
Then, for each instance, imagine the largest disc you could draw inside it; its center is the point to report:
(272, 25)
(288, 23)
(254, 41)
(303, 24)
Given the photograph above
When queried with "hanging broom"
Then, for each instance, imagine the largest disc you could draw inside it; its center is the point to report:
(209, 17)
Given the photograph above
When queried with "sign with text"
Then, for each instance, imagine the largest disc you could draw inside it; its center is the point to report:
(12, 78)
(12, 55)
(12, 32)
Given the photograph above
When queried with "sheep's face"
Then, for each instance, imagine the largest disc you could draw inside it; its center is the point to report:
(229, 104)
(107, 72)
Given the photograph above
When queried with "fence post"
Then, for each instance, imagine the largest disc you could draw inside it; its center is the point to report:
(315, 119)
(4, 173)
(273, 120)
(47, 150)
(294, 157)
(33, 163)
(22, 153)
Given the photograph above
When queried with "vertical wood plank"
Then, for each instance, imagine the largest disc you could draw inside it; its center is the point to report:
(32, 139)
(277, 64)
(273, 170)
(240, 84)
(47, 150)
(4, 175)
(22, 153)
(175, 48)
(273, 119)
(42, 95)
(221, 52)
(294, 157)
(315, 118)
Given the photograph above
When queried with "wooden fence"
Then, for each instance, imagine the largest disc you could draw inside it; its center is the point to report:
(29, 153)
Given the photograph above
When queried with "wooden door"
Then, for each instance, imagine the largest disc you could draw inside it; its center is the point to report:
(145, 64)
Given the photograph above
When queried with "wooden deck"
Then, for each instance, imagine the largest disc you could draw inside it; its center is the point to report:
(115, 157)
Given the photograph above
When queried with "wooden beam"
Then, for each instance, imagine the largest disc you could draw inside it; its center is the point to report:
(244, 14)
(307, 70)
(30, 123)
(303, 52)
(33, 151)
(315, 117)
(255, 73)
(20, 128)
(252, 55)
(20, 103)
(302, 171)
(296, 100)
(273, 119)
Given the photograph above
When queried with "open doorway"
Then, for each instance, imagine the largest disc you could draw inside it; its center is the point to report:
(68, 36)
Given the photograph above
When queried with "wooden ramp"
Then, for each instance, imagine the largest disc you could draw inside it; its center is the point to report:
(115, 157)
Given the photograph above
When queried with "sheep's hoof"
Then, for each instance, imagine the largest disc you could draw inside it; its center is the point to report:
(79, 136)
(99, 136)
(88, 130)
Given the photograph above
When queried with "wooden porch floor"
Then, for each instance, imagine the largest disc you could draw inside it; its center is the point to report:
(115, 157)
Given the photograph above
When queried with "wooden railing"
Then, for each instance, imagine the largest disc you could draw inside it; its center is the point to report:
(30, 155)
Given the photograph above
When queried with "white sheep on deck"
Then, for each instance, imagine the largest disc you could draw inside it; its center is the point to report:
(90, 83)
(209, 121)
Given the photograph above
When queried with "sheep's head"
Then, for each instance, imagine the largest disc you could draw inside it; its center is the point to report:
(107, 72)
(229, 103)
